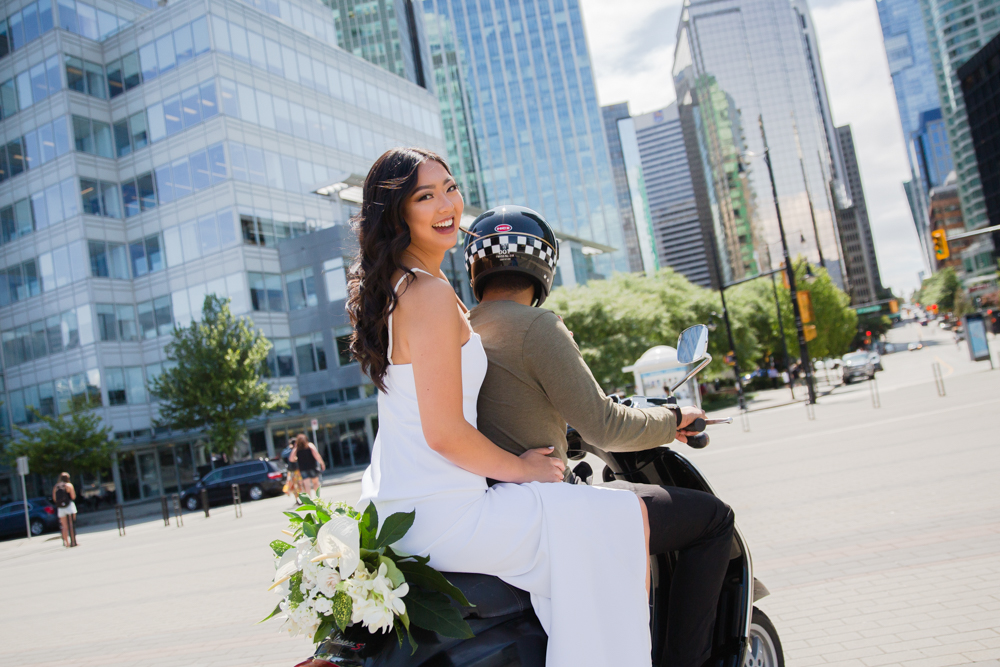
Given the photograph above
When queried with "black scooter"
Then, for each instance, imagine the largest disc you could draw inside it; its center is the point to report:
(507, 633)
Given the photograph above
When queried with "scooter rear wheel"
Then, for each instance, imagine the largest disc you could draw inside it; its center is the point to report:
(764, 647)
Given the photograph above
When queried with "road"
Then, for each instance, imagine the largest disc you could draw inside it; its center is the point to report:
(876, 530)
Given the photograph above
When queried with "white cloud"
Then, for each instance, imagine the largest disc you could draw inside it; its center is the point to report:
(632, 48)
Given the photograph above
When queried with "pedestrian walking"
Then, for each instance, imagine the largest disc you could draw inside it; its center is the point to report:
(64, 496)
(309, 461)
(293, 480)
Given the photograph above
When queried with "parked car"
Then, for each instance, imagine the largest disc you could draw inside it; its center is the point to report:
(41, 517)
(858, 365)
(257, 479)
(915, 346)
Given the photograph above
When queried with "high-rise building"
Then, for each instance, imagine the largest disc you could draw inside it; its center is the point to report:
(913, 80)
(537, 123)
(678, 234)
(956, 29)
(735, 61)
(151, 157)
(387, 33)
(448, 68)
(612, 115)
(930, 145)
(980, 77)
(855, 230)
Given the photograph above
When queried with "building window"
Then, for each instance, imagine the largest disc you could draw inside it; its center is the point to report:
(86, 77)
(342, 336)
(146, 255)
(92, 136)
(310, 353)
(108, 260)
(116, 322)
(100, 198)
(155, 317)
(162, 55)
(335, 279)
(266, 293)
(125, 386)
(279, 358)
(301, 289)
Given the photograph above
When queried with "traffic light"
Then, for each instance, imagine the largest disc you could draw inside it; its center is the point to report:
(940, 238)
(868, 333)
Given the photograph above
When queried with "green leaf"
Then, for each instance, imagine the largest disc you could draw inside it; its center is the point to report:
(293, 517)
(404, 622)
(368, 527)
(310, 529)
(431, 610)
(277, 610)
(305, 499)
(423, 575)
(295, 588)
(325, 628)
(279, 547)
(305, 508)
(322, 516)
(392, 572)
(343, 607)
(395, 527)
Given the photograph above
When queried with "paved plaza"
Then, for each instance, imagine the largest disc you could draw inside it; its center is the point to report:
(877, 531)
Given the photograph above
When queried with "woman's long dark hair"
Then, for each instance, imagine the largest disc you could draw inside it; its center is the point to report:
(382, 238)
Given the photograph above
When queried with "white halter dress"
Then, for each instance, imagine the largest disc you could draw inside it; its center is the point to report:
(578, 550)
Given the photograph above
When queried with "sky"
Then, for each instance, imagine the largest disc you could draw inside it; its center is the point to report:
(632, 49)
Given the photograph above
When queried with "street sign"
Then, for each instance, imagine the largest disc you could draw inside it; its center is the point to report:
(315, 424)
(22, 470)
(868, 309)
(22, 465)
(805, 307)
(810, 331)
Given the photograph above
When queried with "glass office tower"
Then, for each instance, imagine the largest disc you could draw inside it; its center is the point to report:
(680, 238)
(956, 30)
(912, 70)
(148, 158)
(736, 60)
(614, 113)
(537, 123)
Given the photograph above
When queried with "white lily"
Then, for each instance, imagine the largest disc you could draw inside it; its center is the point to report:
(340, 538)
(286, 568)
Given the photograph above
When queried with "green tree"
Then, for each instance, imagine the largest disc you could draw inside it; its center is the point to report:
(77, 442)
(216, 384)
(942, 288)
(836, 324)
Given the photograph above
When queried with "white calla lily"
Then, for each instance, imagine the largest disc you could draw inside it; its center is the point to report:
(340, 538)
(286, 568)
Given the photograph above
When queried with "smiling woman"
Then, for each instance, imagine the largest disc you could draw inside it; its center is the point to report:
(394, 183)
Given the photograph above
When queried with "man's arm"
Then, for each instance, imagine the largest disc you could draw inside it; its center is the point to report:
(553, 358)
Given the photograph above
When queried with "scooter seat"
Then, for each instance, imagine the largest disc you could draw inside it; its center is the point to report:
(492, 596)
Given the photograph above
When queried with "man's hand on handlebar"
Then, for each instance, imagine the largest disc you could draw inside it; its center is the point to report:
(688, 414)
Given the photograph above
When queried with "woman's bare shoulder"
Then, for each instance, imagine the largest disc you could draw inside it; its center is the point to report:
(424, 292)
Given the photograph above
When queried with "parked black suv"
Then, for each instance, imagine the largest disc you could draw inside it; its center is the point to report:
(256, 479)
(41, 515)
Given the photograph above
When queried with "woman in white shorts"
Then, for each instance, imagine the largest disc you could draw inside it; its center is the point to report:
(64, 496)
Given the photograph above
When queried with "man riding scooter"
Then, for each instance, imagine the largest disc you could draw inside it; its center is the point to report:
(537, 382)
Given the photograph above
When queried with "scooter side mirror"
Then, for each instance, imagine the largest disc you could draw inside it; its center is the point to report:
(692, 344)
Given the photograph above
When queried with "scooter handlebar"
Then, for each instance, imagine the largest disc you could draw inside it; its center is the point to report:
(701, 440)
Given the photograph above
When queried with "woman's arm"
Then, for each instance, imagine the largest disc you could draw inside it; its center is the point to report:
(294, 456)
(72, 490)
(319, 459)
(431, 333)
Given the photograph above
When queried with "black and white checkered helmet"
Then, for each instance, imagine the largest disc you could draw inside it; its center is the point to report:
(511, 238)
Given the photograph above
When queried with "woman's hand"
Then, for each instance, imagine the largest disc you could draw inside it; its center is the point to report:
(540, 467)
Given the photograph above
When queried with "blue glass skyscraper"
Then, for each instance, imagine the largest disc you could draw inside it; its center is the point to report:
(913, 81)
(538, 126)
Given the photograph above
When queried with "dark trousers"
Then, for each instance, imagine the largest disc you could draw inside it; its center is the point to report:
(700, 527)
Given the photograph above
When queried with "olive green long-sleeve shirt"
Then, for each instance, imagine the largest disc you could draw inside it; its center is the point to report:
(537, 382)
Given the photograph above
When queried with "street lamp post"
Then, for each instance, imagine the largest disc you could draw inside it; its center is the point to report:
(781, 329)
(729, 331)
(790, 270)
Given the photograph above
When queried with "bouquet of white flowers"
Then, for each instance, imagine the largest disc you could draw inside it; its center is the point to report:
(340, 571)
